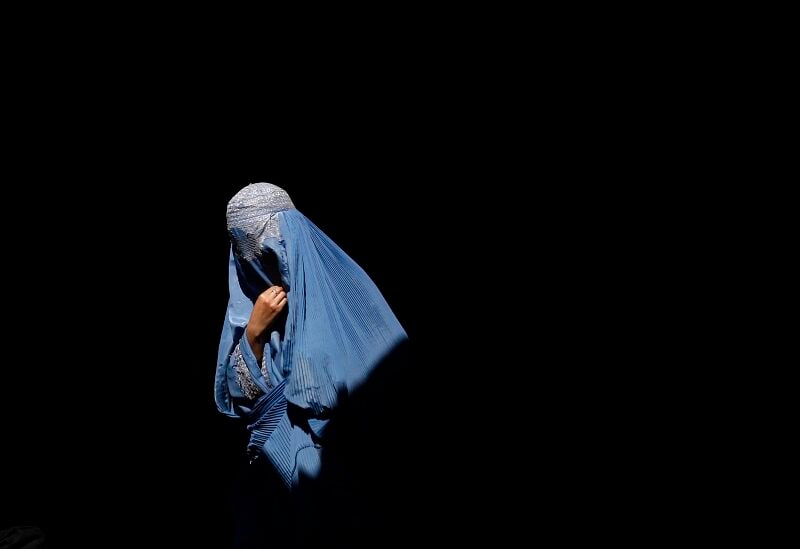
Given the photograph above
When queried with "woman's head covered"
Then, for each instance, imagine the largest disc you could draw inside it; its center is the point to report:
(256, 239)
(252, 216)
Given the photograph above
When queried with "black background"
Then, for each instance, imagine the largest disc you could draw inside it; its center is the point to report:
(474, 202)
(116, 259)
(115, 255)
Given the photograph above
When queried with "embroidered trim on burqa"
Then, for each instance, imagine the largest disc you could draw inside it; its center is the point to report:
(243, 378)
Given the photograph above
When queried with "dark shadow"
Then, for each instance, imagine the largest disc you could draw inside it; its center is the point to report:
(376, 482)
(262, 508)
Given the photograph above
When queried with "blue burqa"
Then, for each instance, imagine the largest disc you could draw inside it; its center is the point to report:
(336, 328)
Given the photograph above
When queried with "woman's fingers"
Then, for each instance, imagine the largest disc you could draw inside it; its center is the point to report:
(277, 293)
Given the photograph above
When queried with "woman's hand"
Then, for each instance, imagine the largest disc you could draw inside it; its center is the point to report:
(266, 308)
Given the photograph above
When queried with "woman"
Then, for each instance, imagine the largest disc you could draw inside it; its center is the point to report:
(305, 327)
